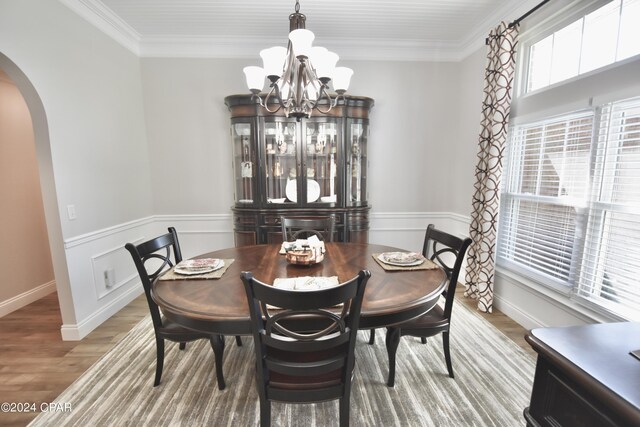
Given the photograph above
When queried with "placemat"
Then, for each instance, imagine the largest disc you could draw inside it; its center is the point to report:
(171, 275)
(426, 265)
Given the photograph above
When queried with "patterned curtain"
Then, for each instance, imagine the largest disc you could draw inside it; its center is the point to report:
(485, 204)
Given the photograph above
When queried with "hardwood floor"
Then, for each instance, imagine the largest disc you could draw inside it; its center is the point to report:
(36, 365)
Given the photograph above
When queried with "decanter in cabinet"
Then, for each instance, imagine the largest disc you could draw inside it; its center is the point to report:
(310, 167)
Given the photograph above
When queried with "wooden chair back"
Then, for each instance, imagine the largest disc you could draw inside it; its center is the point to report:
(305, 346)
(447, 251)
(302, 228)
(152, 258)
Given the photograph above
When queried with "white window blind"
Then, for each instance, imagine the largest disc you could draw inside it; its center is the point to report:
(545, 189)
(609, 275)
(570, 207)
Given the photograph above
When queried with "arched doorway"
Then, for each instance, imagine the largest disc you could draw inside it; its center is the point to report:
(47, 184)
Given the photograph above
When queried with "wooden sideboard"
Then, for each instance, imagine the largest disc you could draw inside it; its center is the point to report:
(585, 376)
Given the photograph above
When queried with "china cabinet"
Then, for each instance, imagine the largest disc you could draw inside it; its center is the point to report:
(309, 167)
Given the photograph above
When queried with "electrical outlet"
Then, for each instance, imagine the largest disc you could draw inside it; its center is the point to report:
(71, 212)
(109, 277)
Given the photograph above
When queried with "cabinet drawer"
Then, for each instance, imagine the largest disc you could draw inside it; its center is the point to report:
(245, 219)
(275, 219)
(558, 401)
(272, 220)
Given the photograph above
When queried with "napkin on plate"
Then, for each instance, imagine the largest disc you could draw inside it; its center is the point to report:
(306, 283)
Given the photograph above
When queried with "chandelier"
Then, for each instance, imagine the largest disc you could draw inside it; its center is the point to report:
(299, 75)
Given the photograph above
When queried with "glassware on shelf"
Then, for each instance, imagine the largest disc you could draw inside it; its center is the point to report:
(244, 163)
(356, 175)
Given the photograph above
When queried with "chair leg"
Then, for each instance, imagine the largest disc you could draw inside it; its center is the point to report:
(392, 340)
(447, 354)
(344, 410)
(238, 341)
(265, 413)
(372, 336)
(423, 340)
(217, 343)
(183, 345)
(159, 360)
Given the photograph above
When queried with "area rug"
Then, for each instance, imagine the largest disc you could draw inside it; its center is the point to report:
(491, 388)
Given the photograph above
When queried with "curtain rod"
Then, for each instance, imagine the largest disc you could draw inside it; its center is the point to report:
(523, 17)
(526, 15)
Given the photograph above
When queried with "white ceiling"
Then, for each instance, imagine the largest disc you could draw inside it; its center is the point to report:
(446, 30)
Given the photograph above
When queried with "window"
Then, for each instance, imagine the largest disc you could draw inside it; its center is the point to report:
(570, 190)
(611, 260)
(544, 194)
(570, 206)
(602, 37)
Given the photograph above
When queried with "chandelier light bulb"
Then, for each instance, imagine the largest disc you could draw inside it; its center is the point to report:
(255, 78)
(301, 40)
(325, 64)
(341, 79)
(273, 60)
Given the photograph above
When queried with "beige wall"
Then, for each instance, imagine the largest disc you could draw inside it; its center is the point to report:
(24, 248)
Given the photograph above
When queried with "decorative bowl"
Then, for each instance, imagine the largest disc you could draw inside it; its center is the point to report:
(307, 256)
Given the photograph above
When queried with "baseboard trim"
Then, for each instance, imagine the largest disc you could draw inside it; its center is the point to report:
(26, 298)
(515, 313)
(75, 332)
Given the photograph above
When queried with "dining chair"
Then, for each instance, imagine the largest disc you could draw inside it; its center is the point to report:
(152, 258)
(448, 252)
(302, 228)
(304, 347)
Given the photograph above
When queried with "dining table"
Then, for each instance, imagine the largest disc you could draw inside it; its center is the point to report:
(393, 295)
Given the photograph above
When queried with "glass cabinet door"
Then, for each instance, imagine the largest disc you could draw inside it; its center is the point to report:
(281, 161)
(244, 162)
(357, 162)
(321, 142)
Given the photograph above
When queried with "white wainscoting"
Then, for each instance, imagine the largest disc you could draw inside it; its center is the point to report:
(90, 255)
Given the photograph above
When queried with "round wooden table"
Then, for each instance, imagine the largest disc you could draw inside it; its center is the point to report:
(220, 305)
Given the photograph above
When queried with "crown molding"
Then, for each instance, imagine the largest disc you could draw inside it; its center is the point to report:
(508, 12)
(105, 20)
(248, 48)
(223, 47)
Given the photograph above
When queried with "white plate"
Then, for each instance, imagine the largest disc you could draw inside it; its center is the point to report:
(313, 190)
(328, 198)
(277, 200)
(385, 258)
(193, 272)
(190, 271)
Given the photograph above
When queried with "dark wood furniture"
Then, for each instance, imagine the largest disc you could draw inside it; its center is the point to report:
(447, 251)
(159, 249)
(311, 167)
(220, 306)
(585, 376)
(302, 228)
(305, 365)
